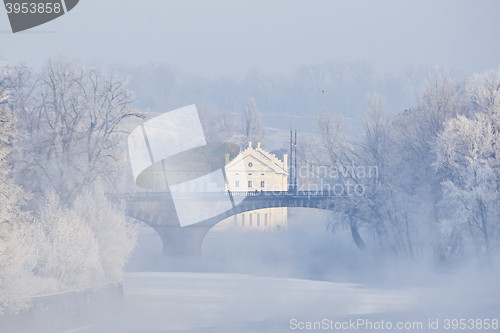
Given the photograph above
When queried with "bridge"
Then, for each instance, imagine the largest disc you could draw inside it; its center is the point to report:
(157, 210)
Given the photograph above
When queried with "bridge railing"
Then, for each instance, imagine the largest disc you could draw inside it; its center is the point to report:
(224, 193)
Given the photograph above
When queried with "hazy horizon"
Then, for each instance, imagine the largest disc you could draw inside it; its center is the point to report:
(224, 38)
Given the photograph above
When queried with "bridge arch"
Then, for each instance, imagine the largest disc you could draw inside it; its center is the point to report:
(157, 210)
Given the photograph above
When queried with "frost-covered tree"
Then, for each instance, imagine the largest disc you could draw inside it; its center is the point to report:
(116, 238)
(253, 126)
(435, 103)
(361, 165)
(467, 159)
(15, 252)
(483, 92)
(415, 130)
(335, 153)
(155, 84)
(466, 156)
(83, 245)
(399, 148)
(219, 125)
(71, 121)
(382, 209)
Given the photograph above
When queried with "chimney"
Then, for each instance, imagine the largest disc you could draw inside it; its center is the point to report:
(258, 145)
(249, 144)
(227, 159)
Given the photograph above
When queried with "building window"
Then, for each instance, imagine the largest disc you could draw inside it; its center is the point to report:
(237, 184)
(258, 220)
(242, 220)
(262, 183)
(249, 183)
(249, 220)
(250, 164)
(235, 220)
(265, 220)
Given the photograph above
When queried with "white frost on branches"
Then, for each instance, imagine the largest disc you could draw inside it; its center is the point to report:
(70, 241)
(116, 238)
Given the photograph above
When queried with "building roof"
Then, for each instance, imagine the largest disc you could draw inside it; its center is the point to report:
(260, 156)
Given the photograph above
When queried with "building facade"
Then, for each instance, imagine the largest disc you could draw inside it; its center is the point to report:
(256, 170)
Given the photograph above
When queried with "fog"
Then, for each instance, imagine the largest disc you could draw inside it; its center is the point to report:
(259, 283)
(406, 88)
(225, 38)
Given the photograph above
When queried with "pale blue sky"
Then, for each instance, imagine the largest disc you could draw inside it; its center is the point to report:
(220, 38)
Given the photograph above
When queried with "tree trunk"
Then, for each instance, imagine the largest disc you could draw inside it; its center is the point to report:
(355, 235)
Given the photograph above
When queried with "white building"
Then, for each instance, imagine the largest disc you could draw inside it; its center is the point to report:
(257, 170)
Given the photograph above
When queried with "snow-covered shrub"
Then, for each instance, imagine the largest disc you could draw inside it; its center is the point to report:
(16, 255)
(67, 248)
(61, 248)
(115, 236)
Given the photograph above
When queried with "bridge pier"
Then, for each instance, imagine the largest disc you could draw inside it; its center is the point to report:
(179, 241)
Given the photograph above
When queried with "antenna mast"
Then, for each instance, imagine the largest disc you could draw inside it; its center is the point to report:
(295, 183)
(290, 167)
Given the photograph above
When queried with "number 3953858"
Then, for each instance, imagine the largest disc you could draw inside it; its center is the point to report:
(33, 7)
